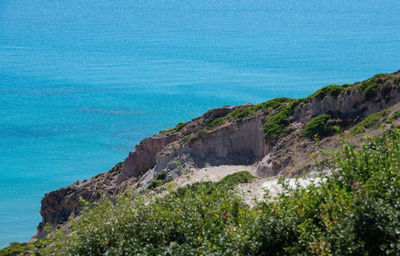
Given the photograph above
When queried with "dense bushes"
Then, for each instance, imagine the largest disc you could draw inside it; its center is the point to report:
(318, 126)
(356, 211)
(15, 249)
(277, 125)
(330, 90)
(274, 103)
(236, 114)
(370, 86)
(248, 111)
(216, 122)
(203, 219)
(236, 178)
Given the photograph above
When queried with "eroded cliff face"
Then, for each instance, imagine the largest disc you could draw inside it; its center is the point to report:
(351, 104)
(63, 204)
(291, 154)
(144, 157)
(235, 143)
(227, 135)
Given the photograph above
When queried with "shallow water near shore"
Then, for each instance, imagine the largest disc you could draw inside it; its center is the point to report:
(82, 82)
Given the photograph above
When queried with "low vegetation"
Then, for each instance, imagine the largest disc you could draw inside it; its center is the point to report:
(236, 178)
(319, 126)
(159, 180)
(273, 104)
(370, 86)
(277, 125)
(186, 139)
(330, 90)
(268, 106)
(177, 128)
(373, 120)
(16, 249)
(355, 211)
(297, 102)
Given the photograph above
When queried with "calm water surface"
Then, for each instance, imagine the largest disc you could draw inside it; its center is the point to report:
(81, 82)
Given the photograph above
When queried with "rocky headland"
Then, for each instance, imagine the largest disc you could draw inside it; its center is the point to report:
(274, 138)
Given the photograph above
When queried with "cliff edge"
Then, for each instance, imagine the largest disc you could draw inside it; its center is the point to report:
(276, 137)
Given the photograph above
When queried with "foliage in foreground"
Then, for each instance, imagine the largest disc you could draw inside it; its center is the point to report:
(356, 211)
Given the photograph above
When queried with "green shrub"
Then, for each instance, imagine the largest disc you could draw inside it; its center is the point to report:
(242, 112)
(372, 120)
(216, 122)
(370, 92)
(276, 125)
(370, 86)
(330, 90)
(228, 182)
(354, 211)
(31, 249)
(186, 139)
(235, 114)
(347, 85)
(248, 111)
(273, 104)
(177, 128)
(159, 180)
(236, 178)
(200, 222)
(297, 102)
(318, 126)
(15, 249)
(180, 126)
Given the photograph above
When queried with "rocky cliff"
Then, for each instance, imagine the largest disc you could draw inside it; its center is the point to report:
(267, 134)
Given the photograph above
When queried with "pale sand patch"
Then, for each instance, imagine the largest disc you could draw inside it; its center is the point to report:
(251, 192)
(256, 190)
(215, 173)
(211, 173)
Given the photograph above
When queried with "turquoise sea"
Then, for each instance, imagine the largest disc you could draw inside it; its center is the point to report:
(83, 81)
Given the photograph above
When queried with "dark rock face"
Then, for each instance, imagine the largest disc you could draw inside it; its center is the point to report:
(144, 157)
(60, 205)
(235, 142)
(54, 212)
(351, 105)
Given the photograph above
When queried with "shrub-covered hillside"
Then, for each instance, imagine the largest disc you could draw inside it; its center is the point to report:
(355, 212)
